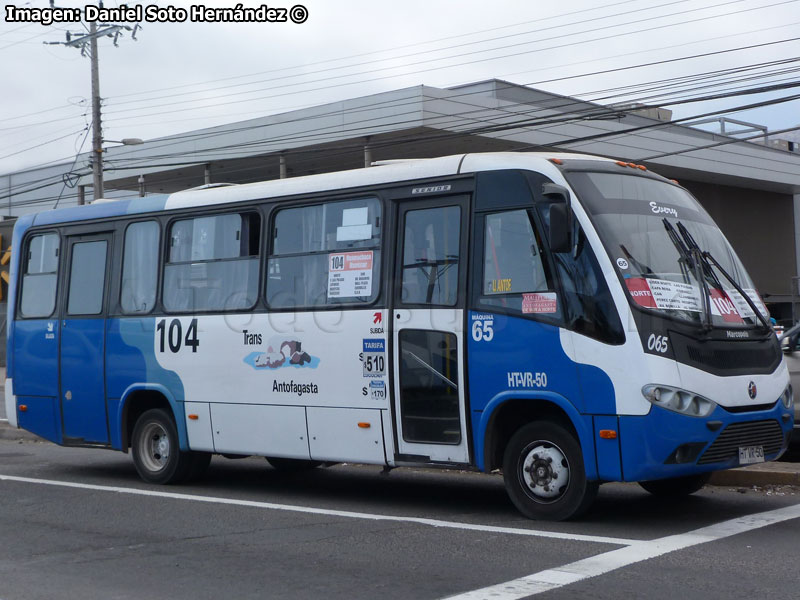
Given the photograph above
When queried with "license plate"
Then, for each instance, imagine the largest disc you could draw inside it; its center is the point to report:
(751, 454)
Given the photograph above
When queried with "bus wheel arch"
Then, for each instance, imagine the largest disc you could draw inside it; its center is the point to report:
(512, 415)
(149, 427)
(136, 403)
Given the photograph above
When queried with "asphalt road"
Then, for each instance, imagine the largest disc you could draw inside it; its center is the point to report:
(78, 523)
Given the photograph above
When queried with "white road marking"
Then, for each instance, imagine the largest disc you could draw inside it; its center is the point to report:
(328, 512)
(609, 561)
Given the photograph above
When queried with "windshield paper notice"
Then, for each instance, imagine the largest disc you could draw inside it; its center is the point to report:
(741, 304)
(673, 295)
(664, 294)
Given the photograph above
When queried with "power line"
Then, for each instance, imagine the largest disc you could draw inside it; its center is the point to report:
(307, 73)
(393, 104)
(517, 125)
(217, 133)
(592, 111)
(437, 68)
(373, 52)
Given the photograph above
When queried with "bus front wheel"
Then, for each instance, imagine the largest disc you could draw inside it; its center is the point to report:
(156, 450)
(544, 473)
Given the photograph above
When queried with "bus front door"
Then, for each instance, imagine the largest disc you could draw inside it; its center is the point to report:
(428, 358)
(83, 404)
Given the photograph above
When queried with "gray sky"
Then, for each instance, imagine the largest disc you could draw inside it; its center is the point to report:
(183, 76)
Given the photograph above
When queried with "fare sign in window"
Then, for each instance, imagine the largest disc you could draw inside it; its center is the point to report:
(350, 274)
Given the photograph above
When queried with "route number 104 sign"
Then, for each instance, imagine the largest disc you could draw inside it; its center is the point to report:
(350, 274)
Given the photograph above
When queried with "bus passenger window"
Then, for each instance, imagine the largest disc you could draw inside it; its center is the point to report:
(325, 254)
(40, 277)
(431, 246)
(515, 273)
(212, 263)
(140, 268)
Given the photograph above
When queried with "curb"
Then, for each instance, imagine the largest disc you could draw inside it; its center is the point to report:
(746, 477)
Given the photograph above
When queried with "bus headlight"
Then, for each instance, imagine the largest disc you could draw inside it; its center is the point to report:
(787, 397)
(679, 401)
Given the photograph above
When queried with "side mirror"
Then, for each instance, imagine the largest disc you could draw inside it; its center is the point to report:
(560, 217)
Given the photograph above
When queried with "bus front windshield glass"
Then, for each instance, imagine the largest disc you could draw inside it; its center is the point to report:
(656, 234)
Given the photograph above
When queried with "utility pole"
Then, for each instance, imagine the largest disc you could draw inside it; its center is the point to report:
(97, 129)
(82, 40)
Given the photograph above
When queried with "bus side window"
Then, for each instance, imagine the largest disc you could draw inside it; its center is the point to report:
(140, 267)
(212, 263)
(430, 256)
(516, 274)
(590, 308)
(325, 254)
(40, 276)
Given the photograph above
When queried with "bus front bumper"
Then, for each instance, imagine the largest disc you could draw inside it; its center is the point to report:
(666, 444)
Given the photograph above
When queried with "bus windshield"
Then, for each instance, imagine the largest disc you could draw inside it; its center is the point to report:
(656, 234)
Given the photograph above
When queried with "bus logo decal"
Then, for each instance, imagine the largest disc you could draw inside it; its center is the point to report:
(288, 354)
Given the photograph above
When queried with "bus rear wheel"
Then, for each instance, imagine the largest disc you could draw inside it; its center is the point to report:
(676, 486)
(544, 473)
(156, 450)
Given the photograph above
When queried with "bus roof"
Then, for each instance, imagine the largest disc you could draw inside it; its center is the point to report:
(394, 171)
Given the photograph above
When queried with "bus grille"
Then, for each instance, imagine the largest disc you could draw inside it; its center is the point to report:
(730, 358)
(757, 433)
(725, 358)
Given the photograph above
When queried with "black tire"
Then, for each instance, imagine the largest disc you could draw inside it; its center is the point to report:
(292, 465)
(676, 486)
(156, 450)
(544, 473)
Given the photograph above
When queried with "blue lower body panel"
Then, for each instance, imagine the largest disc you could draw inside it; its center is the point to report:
(667, 444)
(41, 415)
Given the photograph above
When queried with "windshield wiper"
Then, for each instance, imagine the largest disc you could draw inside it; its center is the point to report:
(691, 258)
(684, 257)
(704, 257)
(694, 246)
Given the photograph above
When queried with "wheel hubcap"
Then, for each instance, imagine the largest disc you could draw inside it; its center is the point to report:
(545, 471)
(156, 447)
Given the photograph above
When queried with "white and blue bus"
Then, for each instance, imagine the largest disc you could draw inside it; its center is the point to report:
(568, 319)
